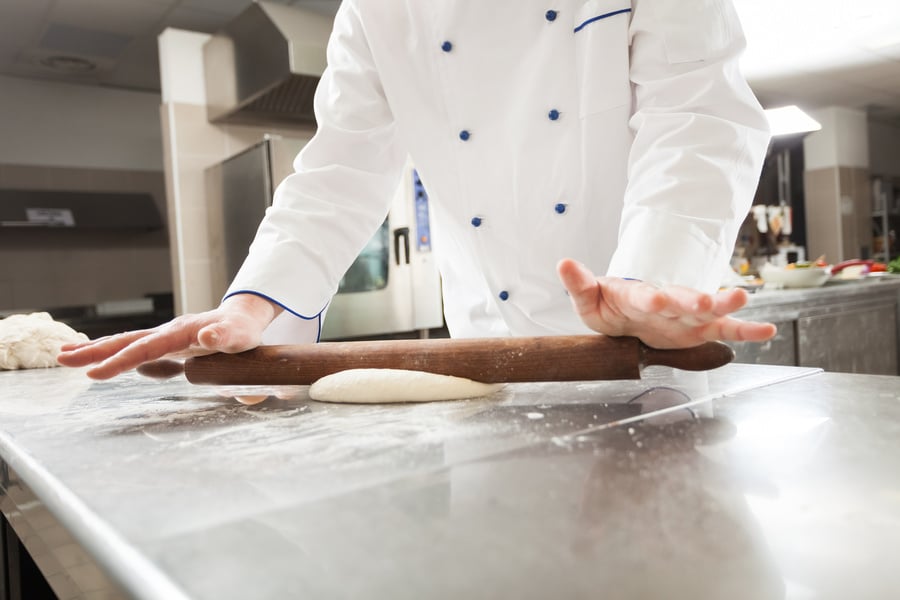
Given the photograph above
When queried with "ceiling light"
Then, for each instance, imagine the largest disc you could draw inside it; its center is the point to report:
(790, 119)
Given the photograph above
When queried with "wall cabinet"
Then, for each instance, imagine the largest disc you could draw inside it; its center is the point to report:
(860, 338)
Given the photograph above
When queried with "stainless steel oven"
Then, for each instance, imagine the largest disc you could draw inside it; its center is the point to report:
(393, 286)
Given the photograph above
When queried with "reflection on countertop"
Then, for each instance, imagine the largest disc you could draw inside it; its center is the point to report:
(745, 482)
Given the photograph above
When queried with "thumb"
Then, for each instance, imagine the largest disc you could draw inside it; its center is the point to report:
(234, 335)
(581, 284)
(210, 337)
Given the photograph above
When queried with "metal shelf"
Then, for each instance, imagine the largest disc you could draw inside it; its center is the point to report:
(885, 196)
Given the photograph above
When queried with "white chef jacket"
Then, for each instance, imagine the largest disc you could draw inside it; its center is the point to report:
(619, 133)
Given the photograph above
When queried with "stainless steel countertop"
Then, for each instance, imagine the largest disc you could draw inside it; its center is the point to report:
(847, 291)
(752, 482)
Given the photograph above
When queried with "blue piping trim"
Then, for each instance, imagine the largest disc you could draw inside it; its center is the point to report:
(607, 15)
(318, 316)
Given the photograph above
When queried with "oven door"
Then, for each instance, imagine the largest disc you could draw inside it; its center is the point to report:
(393, 285)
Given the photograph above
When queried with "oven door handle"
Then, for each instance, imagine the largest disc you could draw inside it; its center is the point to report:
(401, 232)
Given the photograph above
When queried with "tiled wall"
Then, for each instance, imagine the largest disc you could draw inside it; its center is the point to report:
(838, 213)
(58, 268)
(191, 145)
(856, 212)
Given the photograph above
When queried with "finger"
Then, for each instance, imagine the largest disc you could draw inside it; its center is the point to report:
(99, 340)
(729, 301)
(683, 301)
(581, 285)
(183, 338)
(108, 340)
(151, 347)
(734, 330)
(695, 308)
(716, 306)
(98, 350)
(635, 299)
(71, 346)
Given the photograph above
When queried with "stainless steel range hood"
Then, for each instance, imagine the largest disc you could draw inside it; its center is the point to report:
(41, 209)
(263, 67)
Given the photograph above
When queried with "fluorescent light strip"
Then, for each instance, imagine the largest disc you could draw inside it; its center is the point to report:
(790, 119)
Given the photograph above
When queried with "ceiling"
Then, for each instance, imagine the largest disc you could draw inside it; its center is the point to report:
(813, 53)
(817, 53)
(50, 39)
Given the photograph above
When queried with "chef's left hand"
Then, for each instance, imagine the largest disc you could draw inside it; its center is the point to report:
(667, 317)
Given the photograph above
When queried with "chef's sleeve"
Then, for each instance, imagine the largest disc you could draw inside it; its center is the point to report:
(327, 210)
(700, 137)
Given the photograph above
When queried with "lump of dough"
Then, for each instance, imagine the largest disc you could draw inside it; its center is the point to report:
(371, 386)
(33, 341)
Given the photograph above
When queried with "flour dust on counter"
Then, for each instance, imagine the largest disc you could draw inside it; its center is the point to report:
(375, 386)
(32, 341)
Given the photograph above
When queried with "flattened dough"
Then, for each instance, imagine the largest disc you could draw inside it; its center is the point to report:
(32, 341)
(373, 386)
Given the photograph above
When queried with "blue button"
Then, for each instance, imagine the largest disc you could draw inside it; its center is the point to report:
(447, 46)
(553, 114)
(464, 135)
(560, 208)
(551, 15)
(476, 221)
(504, 295)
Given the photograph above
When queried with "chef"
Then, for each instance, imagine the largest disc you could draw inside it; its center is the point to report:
(588, 162)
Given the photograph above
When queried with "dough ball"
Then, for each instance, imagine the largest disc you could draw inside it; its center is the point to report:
(33, 341)
(372, 386)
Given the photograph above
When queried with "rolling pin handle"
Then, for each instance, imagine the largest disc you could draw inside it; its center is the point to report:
(706, 356)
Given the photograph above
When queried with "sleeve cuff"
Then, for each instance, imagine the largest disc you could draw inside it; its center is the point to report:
(289, 327)
(670, 250)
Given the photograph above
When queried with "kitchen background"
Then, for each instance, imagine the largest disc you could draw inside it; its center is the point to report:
(84, 107)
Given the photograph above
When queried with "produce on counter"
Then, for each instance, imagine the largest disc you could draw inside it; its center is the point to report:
(819, 262)
(894, 266)
(859, 267)
(794, 275)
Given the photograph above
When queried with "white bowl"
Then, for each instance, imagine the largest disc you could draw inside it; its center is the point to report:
(798, 277)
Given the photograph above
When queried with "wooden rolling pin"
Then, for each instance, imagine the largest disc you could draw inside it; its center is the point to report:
(490, 360)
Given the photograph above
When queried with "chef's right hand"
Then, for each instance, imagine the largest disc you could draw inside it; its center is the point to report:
(669, 317)
(236, 325)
